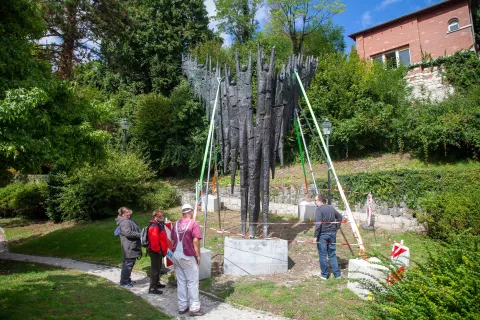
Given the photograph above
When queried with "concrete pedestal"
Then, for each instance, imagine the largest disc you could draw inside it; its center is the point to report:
(360, 270)
(213, 203)
(306, 211)
(255, 256)
(205, 269)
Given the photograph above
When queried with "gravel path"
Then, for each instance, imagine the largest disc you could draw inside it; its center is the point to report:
(167, 302)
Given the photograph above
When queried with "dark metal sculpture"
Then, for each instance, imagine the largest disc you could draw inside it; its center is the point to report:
(251, 145)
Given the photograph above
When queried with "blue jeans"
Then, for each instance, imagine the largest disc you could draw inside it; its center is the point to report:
(127, 267)
(326, 246)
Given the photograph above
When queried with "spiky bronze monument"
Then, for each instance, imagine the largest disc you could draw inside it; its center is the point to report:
(251, 145)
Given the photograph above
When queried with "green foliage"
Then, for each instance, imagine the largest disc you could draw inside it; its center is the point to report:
(407, 185)
(447, 286)
(445, 200)
(161, 196)
(171, 130)
(21, 23)
(54, 124)
(362, 100)
(462, 69)
(237, 18)
(23, 199)
(448, 213)
(443, 129)
(147, 53)
(56, 180)
(298, 18)
(97, 191)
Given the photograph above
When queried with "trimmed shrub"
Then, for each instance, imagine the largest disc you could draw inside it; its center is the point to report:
(56, 180)
(20, 199)
(447, 286)
(161, 196)
(445, 200)
(97, 191)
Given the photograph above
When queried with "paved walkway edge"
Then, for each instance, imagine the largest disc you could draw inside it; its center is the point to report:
(214, 307)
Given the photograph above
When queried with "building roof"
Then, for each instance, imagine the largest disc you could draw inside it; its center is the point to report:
(354, 35)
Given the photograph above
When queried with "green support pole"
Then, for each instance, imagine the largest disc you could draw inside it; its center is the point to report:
(301, 154)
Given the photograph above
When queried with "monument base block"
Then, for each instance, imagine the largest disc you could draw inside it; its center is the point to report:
(255, 256)
(205, 269)
(306, 211)
(362, 270)
(213, 203)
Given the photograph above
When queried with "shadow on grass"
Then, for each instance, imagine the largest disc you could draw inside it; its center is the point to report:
(61, 293)
(19, 222)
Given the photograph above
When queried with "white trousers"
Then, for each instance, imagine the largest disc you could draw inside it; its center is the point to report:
(187, 284)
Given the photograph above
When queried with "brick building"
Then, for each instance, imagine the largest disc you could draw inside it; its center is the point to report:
(438, 30)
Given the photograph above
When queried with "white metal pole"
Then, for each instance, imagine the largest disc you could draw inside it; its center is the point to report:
(351, 220)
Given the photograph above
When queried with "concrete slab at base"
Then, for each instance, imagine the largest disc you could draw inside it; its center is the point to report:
(244, 256)
(306, 211)
(213, 203)
(205, 269)
(361, 270)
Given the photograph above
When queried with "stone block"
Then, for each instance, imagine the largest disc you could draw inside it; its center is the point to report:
(363, 270)
(205, 269)
(244, 256)
(306, 211)
(213, 203)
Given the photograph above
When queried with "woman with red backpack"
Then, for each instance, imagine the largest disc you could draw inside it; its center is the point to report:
(157, 249)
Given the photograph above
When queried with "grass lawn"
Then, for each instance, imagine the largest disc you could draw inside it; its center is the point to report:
(36, 291)
(87, 241)
(297, 294)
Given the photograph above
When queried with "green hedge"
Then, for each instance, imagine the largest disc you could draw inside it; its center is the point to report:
(23, 199)
(446, 199)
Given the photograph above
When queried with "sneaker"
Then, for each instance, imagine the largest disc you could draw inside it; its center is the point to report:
(132, 282)
(323, 278)
(184, 311)
(339, 277)
(128, 285)
(155, 291)
(197, 313)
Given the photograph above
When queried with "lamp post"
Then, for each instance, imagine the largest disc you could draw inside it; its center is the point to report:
(124, 124)
(327, 129)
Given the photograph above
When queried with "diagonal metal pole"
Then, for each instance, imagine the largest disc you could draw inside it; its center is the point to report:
(306, 151)
(209, 138)
(297, 131)
(351, 219)
(206, 193)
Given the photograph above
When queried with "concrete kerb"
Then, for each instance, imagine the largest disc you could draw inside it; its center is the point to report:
(215, 308)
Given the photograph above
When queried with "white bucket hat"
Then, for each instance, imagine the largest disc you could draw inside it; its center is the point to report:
(186, 208)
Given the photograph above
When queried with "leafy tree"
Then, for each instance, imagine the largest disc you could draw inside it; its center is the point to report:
(328, 38)
(21, 23)
(237, 18)
(299, 18)
(172, 130)
(148, 54)
(53, 125)
(75, 27)
(363, 101)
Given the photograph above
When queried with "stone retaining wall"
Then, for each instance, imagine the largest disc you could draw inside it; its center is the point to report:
(428, 84)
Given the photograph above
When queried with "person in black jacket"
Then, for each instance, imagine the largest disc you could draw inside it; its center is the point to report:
(327, 222)
(131, 245)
